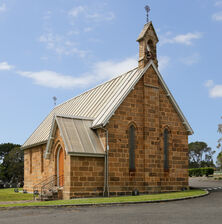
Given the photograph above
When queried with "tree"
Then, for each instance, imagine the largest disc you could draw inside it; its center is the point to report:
(220, 139)
(5, 149)
(200, 155)
(12, 166)
(219, 160)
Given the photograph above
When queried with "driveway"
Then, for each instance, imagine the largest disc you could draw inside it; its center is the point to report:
(196, 211)
(208, 183)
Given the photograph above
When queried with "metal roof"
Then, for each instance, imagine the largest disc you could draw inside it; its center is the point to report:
(99, 103)
(77, 135)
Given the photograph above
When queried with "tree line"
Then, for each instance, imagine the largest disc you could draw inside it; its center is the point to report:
(11, 164)
(201, 155)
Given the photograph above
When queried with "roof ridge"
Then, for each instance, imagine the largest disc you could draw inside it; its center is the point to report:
(75, 97)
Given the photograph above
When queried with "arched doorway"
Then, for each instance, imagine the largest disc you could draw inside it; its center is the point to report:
(60, 167)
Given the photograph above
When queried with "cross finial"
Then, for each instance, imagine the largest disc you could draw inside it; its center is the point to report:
(54, 99)
(147, 8)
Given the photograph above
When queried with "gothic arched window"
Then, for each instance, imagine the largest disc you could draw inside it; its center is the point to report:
(132, 147)
(166, 149)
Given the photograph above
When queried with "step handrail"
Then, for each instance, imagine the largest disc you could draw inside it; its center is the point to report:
(40, 184)
(51, 184)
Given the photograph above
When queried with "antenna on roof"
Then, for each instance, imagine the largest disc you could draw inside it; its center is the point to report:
(54, 99)
(147, 8)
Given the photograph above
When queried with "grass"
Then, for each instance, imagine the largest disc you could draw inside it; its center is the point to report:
(9, 195)
(140, 198)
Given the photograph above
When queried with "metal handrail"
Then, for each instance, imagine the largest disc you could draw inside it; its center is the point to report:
(39, 185)
(53, 183)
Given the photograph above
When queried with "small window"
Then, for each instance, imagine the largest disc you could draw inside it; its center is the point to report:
(30, 161)
(42, 160)
(132, 148)
(166, 149)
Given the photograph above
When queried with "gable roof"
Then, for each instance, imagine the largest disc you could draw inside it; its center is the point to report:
(144, 31)
(99, 104)
(78, 137)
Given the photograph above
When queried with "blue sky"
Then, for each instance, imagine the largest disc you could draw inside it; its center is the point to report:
(61, 48)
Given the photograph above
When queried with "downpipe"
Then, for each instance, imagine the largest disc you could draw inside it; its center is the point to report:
(106, 171)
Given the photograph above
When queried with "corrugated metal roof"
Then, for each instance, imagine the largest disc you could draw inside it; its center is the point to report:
(77, 135)
(93, 103)
(99, 103)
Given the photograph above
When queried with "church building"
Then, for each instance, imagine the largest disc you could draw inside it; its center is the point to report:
(124, 136)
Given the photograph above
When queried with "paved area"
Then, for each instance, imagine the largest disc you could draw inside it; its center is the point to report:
(196, 211)
(208, 183)
(14, 202)
(200, 210)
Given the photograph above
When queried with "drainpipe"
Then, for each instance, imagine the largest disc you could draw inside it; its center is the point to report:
(106, 175)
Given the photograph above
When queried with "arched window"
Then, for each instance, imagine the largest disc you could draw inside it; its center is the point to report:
(166, 149)
(132, 146)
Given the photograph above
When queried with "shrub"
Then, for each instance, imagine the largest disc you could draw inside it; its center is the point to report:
(199, 172)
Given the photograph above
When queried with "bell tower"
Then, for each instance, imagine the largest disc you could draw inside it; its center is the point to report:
(147, 45)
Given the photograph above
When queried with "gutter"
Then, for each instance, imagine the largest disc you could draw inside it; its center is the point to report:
(33, 145)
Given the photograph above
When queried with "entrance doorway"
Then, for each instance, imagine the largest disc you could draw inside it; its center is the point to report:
(60, 167)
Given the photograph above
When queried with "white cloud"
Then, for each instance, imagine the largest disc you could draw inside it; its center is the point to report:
(186, 39)
(73, 32)
(61, 45)
(109, 69)
(209, 83)
(55, 80)
(215, 90)
(3, 7)
(44, 58)
(101, 71)
(163, 62)
(217, 16)
(88, 29)
(90, 14)
(101, 17)
(5, 66)
(190, 60)
(47, 15)
(74, 12)
(218, 3)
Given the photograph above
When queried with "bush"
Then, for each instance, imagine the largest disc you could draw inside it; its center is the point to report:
(199, 172)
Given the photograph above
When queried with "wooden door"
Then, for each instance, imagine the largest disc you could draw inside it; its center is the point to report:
(61, 167)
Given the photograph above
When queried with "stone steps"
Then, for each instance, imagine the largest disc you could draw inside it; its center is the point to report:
(48, 195)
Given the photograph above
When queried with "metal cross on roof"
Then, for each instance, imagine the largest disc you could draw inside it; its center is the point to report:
(147, 8)
(54, 99)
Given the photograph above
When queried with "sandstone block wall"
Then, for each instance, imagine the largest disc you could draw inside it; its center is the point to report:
(86, 177)
(148, 107)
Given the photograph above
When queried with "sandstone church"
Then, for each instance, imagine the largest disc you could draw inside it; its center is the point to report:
(125, 135)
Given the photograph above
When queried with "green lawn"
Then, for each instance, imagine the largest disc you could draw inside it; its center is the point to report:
(9, 195)
(141, 198)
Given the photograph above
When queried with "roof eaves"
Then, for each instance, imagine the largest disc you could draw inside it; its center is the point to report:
(33, 145)
(86, 154)
(30, 145)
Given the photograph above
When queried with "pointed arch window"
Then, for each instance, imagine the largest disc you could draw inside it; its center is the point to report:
(166, 149)
(132, 146)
